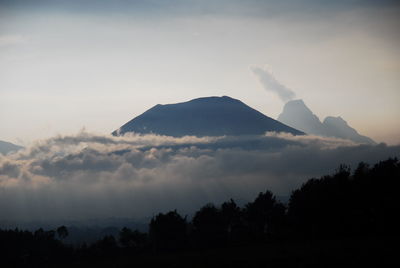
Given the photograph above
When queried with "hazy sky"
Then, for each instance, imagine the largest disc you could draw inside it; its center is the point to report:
(65, 65)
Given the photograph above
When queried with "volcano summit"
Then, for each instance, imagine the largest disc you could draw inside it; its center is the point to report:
(209, 116)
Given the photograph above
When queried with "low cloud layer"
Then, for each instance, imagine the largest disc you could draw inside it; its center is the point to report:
(91, 176)
(270, 83)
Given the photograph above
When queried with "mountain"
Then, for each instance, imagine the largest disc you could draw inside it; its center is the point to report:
(296, 114)
(337, 127)
(6, 147)
(209, 116)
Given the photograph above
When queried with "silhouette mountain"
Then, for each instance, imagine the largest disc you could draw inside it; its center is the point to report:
(6, 147)
(209, 116)
(296, 114)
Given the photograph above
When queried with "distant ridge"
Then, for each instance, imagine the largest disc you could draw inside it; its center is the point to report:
(296, 114)
(208, 116)
(6, 147)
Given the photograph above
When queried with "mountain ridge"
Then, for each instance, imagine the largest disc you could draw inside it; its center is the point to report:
(6, 147)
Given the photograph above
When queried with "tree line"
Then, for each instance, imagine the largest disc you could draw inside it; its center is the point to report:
(362, 203)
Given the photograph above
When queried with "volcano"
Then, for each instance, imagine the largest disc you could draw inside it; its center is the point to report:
(209, 116)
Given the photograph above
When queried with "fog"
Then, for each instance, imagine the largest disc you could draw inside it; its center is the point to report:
(86, 175)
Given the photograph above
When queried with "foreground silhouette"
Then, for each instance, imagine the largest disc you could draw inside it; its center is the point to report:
(340, 219)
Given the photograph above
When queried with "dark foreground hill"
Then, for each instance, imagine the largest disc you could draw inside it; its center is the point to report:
(210, 116)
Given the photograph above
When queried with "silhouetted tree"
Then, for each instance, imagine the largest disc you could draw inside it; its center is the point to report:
(348, 205)
(261, 212)
(362, 171)
(233, 222)
(384, 196)
(132, 239)
(230, 213)
(320, 207)
(62, 232)
(105, 248)
(44, 235)
(209, 226)
(168, 231)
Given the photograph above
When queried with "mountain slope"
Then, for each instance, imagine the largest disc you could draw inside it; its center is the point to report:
(209, 116)
(6, 147)
(296, 114)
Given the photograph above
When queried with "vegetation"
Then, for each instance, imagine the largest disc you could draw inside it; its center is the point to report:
(337, 219)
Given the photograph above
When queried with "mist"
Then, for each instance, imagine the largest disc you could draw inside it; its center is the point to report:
(85, 176)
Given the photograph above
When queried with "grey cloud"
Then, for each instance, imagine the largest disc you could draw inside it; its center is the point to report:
(86, 176)
(270, 83)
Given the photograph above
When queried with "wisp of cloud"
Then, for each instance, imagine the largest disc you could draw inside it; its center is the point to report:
(270, 83)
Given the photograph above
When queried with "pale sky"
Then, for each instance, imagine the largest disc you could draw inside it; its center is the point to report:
(97, 64)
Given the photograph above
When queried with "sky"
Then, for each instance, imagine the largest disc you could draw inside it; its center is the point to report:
(69, 65)
(71, 72)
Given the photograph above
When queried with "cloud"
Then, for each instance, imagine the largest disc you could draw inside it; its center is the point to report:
(270, 83)
(93, 176)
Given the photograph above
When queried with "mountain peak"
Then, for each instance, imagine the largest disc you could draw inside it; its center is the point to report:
(206, 116)
(296, 114)
(333, 119)
(298, 102)
(297, 105)
(217, 99)
(338, 127)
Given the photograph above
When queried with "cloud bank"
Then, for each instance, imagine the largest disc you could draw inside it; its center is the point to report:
(270, 83)
(90, 176)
